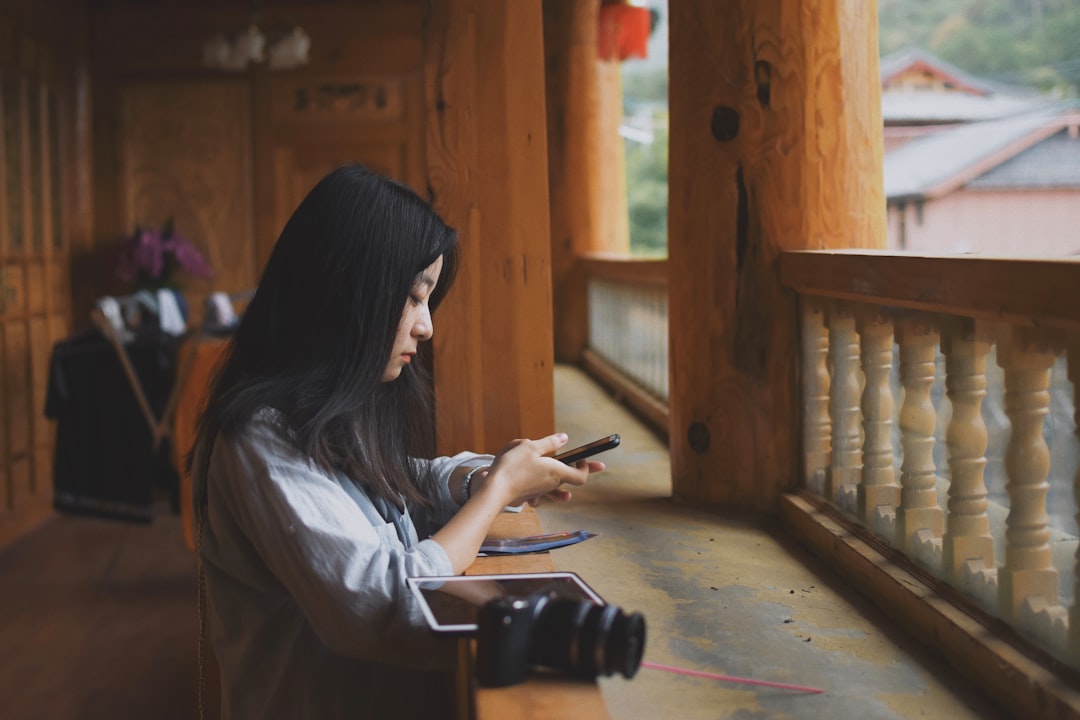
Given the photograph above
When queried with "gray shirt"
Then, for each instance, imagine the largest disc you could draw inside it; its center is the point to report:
(310, 616)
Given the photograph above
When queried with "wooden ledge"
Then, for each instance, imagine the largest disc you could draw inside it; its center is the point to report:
(980, 649)
(540, 697)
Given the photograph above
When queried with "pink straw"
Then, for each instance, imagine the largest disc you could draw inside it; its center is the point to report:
(730, 678)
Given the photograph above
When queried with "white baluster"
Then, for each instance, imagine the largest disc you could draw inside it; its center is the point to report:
(817, 428)
(1028, 571)
(1074, 610)
(968, 535)
(918, 510)
(878, 487)
(846, 462)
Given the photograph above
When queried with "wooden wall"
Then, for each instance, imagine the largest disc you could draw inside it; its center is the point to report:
(229, 154)
(775, 144)
(988, 222)
(42, 214)
(446, 96)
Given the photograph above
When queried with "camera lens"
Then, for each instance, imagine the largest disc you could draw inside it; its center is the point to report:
(586, 639)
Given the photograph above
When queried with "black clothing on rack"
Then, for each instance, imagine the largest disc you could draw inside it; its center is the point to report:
(105, 463)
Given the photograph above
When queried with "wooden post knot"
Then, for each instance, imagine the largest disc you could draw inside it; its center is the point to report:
(725, 123)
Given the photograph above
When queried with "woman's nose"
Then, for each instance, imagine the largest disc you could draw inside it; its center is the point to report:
(423, 328)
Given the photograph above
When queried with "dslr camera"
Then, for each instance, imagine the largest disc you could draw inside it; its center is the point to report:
(579, 638)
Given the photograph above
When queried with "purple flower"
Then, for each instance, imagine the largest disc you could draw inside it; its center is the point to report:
(188, 258)
(150, 258)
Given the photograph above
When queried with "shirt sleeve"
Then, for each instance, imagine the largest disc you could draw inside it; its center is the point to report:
(429, 520)
(345, 571)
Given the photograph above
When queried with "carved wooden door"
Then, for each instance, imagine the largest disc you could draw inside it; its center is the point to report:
(34, 280)
(186, 154)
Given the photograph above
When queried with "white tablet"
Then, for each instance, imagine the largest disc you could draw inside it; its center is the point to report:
(450, 604)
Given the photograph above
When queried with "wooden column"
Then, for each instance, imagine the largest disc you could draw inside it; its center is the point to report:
(586, 165)
(775, 144)
(487, 173)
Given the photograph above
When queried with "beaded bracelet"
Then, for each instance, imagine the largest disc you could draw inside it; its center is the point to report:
(466, 482)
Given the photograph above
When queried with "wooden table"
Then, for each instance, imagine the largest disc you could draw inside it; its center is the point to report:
(541, 696)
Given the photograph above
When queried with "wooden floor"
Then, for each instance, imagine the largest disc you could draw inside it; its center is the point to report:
(100, 619)
(99, 622)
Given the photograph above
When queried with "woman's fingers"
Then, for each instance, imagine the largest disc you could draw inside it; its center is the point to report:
(548, 445)
(556, 495)
(576, 474)
(527, 472)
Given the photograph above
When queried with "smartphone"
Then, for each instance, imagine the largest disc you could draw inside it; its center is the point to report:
(596, 446)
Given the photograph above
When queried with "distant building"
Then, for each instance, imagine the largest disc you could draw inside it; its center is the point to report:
(973, 166)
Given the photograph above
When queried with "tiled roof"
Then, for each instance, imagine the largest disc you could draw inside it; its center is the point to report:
(1003, 137)
(971, 98)
(909, 107)
(935, 164)
(1052, 163)
(895, 63)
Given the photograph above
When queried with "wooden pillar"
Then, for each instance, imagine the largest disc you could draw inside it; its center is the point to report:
(487, 173)
(775, 144)
(586, 165)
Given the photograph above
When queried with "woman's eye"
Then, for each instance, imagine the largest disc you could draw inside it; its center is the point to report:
(416, 300)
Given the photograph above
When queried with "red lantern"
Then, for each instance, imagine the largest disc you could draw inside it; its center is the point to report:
(624, 31)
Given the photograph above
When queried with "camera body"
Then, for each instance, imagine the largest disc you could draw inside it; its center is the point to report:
(580, 638)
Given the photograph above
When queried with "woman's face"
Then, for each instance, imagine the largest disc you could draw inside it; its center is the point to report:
(415, 326)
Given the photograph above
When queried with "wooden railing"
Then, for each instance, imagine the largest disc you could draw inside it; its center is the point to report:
(903, 360)
(939, 445)
(628, 331)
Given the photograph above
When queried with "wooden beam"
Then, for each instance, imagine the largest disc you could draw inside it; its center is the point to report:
(370, 39)
(1036, 293)
(776, 144)
(487, 174)
(651, 410)
(618, 268)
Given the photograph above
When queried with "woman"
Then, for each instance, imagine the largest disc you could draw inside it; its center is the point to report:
(314, 505)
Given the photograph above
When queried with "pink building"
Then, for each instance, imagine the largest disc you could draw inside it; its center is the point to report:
(974, 167)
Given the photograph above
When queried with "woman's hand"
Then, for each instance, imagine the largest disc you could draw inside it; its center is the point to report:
(523, 471)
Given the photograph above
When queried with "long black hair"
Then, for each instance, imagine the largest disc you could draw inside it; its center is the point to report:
(315, 340)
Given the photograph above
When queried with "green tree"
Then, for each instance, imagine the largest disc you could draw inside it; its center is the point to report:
(645, 97)
(1026, 42)
(647, 190)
